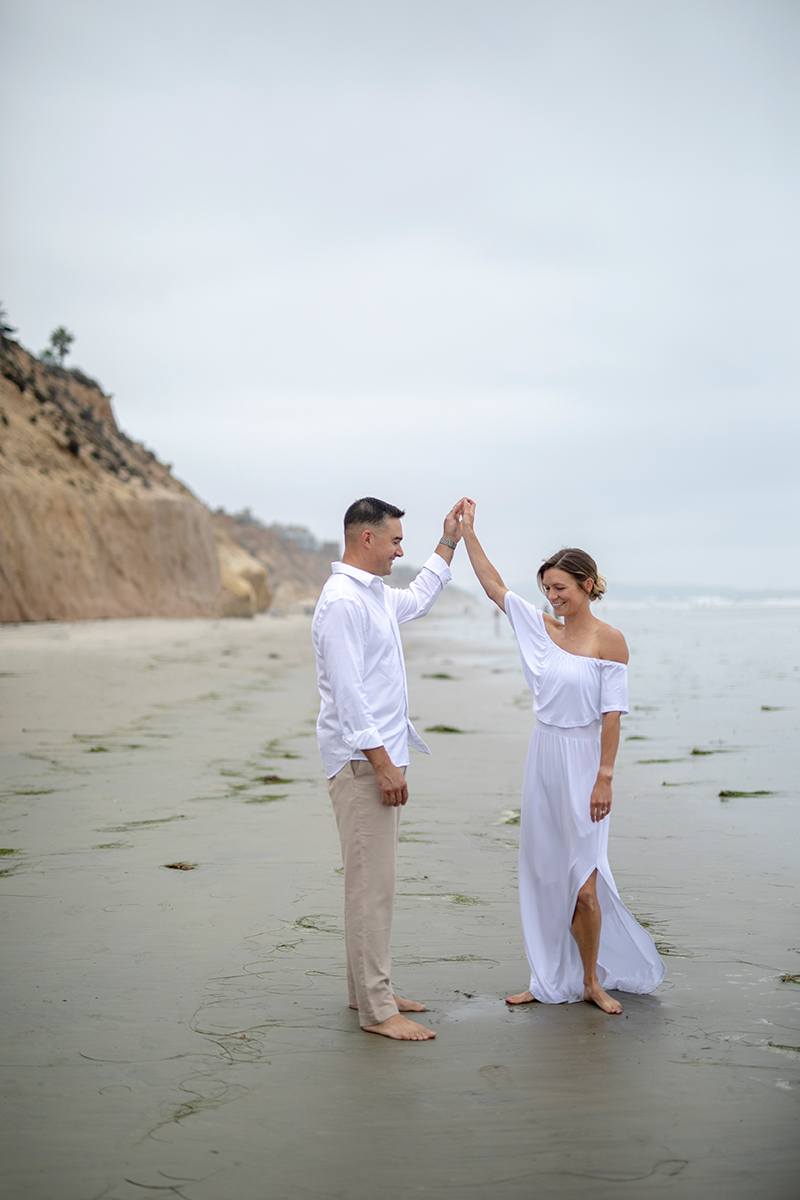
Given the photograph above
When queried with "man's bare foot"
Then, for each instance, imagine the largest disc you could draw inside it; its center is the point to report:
(594, 994)
(404, 1005)
(521, 998)
(401, 1029)
(409, 1005)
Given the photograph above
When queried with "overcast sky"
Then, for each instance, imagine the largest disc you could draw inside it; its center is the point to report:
(542, 253)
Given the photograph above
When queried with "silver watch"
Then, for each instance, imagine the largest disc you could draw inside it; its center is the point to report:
(446, 541)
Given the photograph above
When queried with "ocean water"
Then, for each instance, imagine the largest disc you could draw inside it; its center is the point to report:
(707, 675)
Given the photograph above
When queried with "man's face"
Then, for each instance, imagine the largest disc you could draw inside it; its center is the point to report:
(385, 545)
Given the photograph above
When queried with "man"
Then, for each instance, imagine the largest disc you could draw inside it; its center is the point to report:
(364, 733)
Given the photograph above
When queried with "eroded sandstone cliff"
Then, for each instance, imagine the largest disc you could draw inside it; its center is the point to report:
(91, 523)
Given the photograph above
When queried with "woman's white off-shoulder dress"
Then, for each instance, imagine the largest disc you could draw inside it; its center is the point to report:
(560, 846)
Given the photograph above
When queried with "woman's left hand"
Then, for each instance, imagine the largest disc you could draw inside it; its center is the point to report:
(600, 803)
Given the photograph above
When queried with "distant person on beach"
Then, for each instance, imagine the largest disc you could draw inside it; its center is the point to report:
(364, 733)
(580, 939)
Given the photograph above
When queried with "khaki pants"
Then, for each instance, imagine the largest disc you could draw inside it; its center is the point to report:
(368, 831)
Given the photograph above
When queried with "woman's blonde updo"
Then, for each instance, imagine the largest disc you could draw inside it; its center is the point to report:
(579, 565)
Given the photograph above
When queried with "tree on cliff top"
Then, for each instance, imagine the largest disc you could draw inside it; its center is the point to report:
(6, 330)
(60, 341)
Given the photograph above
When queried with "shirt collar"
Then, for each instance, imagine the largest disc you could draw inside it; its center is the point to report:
(364, 577)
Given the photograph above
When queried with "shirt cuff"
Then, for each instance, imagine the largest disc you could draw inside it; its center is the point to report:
(363, 739)
(439, 567)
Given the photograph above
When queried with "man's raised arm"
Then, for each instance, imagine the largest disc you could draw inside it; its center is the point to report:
(418, 598)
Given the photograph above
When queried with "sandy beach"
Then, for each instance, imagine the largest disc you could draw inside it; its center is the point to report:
(184, 1032)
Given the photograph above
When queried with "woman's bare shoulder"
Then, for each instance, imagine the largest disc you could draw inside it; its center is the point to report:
(612, 644)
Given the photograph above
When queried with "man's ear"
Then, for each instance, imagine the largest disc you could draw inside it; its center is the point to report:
(367, 536)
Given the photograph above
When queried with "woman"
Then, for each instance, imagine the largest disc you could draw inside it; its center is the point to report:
(580, 939)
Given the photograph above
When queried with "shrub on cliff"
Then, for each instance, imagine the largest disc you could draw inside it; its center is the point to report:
(6, 330)
(60, 342)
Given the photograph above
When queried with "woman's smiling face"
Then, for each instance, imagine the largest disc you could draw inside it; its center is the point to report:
(566, 595)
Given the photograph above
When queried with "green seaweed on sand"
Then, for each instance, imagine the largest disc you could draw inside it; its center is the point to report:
(97, 750)
(784, 1047)
(789, 978)
(274, 749)
(443, 729)
(130, 825)
(412, 837)
(271, 777)
(681, 783)
(645, 762)
(439, 675)
(511, 816)
(459, 958)
(453, 897)
(112, 846)
(698, 752)
(414, 961)
(667, 950)
(228, 774)
(268, 799)
(182, 865)
(29, 791)
(636, 737)
(318, 922)
(663, 947)
(5, 851)
(772, 708)
(732, 794)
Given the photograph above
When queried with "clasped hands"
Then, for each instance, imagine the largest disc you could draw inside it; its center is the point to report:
(460, 518)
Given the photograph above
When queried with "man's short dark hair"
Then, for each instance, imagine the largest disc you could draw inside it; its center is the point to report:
(369, 511)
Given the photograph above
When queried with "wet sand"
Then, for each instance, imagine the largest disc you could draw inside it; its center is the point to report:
(171, 1032)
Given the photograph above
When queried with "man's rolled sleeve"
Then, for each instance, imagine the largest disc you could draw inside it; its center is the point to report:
(439, 567)
(342, 644)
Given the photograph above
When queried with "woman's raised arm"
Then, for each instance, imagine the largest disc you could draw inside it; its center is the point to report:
(488, 575)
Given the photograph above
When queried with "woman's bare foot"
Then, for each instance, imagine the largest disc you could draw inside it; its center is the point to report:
(401, 1029)
(521, 998)
(594, 994)
(404, 1005)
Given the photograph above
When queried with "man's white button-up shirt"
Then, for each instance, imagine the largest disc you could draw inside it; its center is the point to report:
(361, 673)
